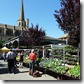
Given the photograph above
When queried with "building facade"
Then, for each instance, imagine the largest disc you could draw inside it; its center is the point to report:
(9, 31)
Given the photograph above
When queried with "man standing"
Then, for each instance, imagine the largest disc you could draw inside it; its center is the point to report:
(10, 59)
(32, 57)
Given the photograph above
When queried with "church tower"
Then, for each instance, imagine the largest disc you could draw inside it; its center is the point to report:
(21, 21)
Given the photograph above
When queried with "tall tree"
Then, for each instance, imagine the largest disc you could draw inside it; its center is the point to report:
(68, 18)
(33, 36)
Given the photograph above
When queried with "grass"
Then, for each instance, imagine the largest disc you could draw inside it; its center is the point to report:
(24, 59)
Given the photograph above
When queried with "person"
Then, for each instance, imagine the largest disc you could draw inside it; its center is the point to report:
(21, 59)
(4, 56)
(10, 59)
(15, 61)
(32, 58)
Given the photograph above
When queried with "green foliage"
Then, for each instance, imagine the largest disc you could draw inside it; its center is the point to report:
(55, 65)
(60, 69)
(38, 60)
(70, 48)
(18, 58)
(75, 71)
(24, 59)
(42, 59)
(71, 54)
(58, 51)
(53, 62)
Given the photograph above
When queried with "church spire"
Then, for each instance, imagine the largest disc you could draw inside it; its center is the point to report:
(22, 22)
(21, 17)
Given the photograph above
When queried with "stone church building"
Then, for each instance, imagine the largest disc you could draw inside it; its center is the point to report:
(9, 31)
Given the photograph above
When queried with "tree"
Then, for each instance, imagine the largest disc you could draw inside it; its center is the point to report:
(1, 43)
(33, 36)
(68, 18)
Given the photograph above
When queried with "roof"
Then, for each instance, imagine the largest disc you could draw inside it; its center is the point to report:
(48, 37)
(64, 36)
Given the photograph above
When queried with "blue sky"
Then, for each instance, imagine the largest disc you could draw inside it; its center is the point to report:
(37, 11)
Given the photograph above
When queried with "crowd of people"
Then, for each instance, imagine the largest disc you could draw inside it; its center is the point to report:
(11, 56)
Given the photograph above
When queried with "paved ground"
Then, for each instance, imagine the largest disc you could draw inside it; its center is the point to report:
(21, 74)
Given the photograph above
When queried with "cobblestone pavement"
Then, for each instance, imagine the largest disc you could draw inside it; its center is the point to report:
(21, 74)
